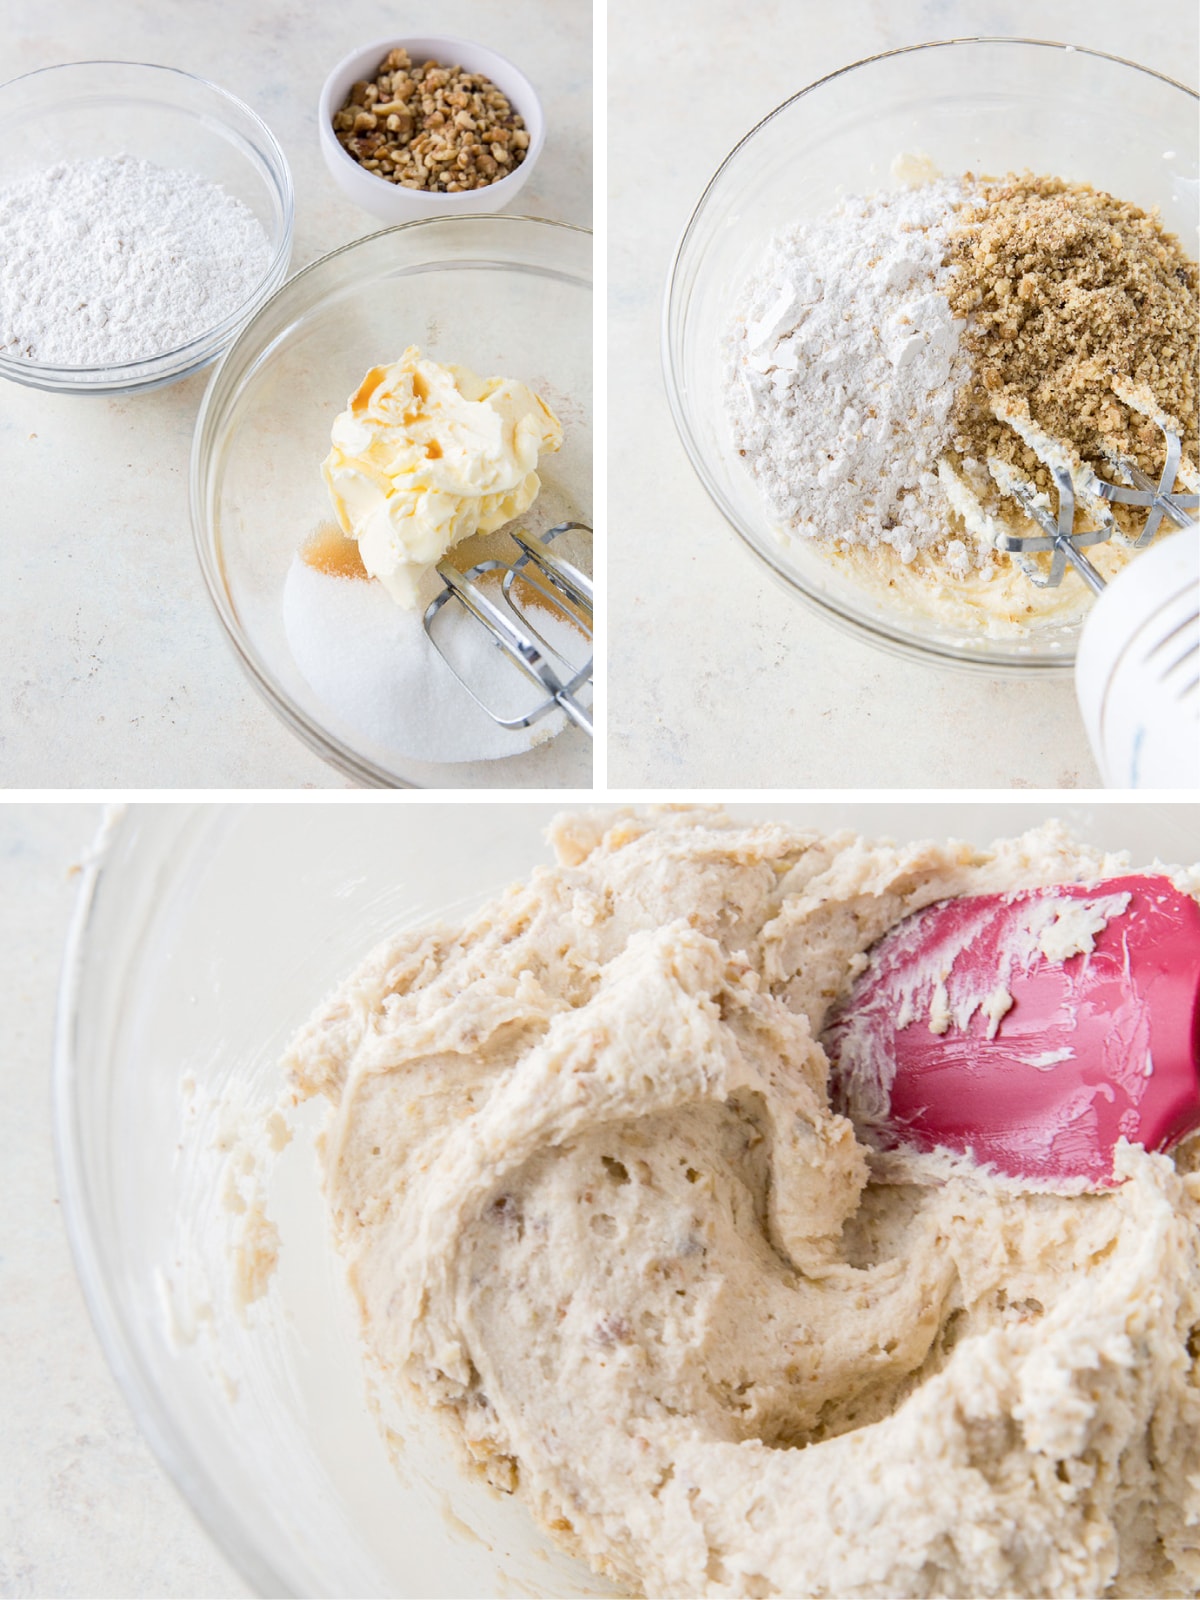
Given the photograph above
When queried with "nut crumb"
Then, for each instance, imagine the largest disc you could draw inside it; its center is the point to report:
(430, 127)
(1066, 290)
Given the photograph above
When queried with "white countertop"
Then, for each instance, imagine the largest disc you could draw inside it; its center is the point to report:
(84, 1507)
(115, 670)
(716, 676)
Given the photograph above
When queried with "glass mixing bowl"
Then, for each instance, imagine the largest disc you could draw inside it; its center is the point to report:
(983, 105)
(501, 295)
(111, 108)
(203, 937)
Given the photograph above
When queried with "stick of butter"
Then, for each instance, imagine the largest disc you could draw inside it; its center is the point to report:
(425, 455)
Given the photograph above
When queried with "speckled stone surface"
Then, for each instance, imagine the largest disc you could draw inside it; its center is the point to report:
(115, 671)
(84, 1507)
(716, 676)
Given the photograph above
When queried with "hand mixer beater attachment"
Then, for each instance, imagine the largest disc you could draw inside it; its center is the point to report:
(536, 611)
(1137, 667)
(1076, 484)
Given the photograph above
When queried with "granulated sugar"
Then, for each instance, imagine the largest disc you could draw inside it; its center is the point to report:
(117, 260)
(846, 363)
(372, 666)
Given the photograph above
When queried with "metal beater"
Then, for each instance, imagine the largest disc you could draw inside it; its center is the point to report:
(500, 596)
(1079, 482)
(1137, 666)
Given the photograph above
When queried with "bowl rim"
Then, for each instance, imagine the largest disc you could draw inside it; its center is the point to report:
(149, 369)
(831, 610)
(202, 1494)
(507, 185)
(323, 743)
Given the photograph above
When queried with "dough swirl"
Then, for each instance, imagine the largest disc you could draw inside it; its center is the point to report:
(595, 1207)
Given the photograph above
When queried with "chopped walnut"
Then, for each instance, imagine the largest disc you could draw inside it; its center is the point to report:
(431, 127)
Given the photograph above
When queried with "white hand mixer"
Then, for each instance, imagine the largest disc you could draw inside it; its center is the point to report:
(1137, 667)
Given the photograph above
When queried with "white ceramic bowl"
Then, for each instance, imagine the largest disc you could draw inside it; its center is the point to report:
(389, 201)
(204, 936)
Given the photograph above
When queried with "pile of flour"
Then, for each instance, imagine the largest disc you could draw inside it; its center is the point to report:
(846, 360)
(118, 260)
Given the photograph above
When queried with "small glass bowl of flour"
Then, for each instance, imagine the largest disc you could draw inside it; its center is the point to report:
(145, 215)
(982, 106)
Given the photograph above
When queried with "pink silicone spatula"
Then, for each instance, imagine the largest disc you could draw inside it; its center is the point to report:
(984, 1024)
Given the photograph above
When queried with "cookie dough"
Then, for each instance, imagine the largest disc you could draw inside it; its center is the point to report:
(596, 1208)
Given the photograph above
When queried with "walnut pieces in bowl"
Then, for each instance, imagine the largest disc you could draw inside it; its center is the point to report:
(431, 126)
(414, 128)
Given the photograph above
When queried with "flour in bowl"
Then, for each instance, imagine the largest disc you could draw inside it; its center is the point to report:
(847, 357)
(118, 260)
(904, 369)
